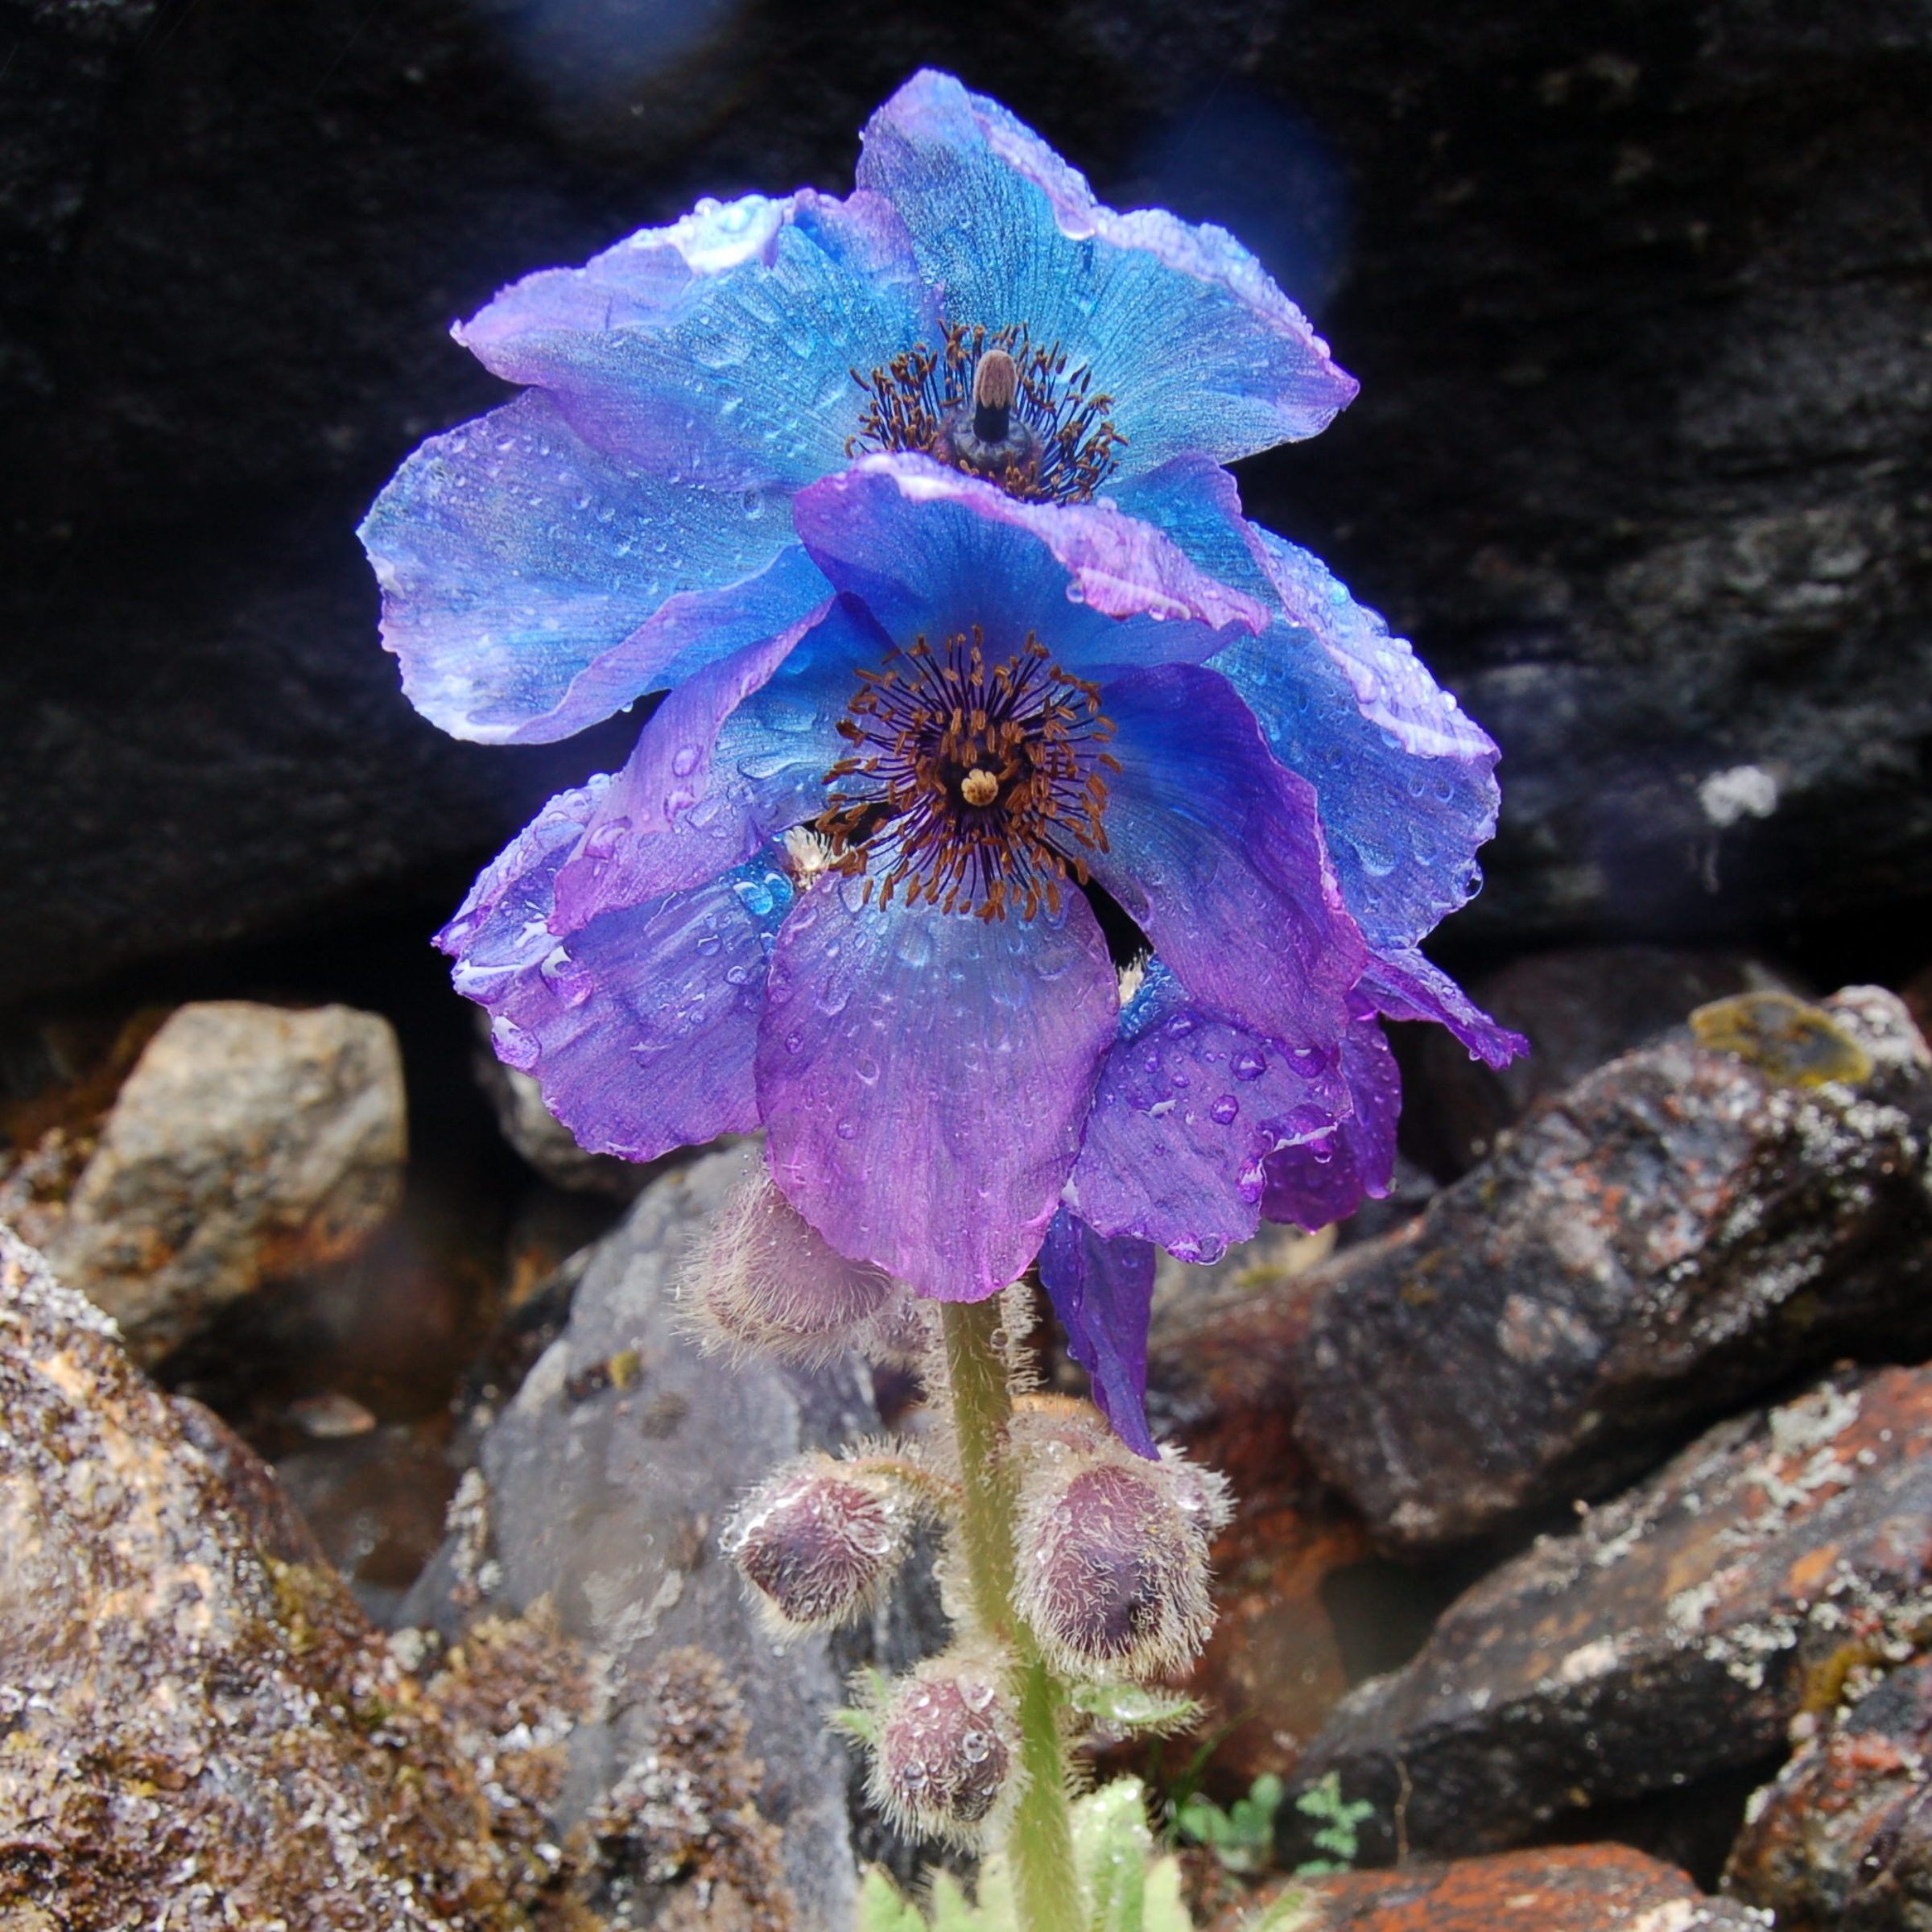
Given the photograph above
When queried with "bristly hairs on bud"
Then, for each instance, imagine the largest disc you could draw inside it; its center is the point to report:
(1110, 1550)
(762, 1281)
(819, 1540)
(946, 1760)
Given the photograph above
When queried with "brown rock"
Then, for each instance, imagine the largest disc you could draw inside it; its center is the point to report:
(249, 1142)
(196, 1733)
(1567, 1888)
(1843, 1838)
(1675, 1234)
(1676, 1634)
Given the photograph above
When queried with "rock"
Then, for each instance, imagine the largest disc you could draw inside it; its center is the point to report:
(1571, 1889)
(1675, 1633)
(602, 1488)
(197, 1731)
(249, 1142)
(1670, 1236)
(1579, 1007)
(1843, 1838)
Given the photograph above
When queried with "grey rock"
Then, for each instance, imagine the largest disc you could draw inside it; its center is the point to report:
(603, 1486)
(1676, 1633)
(249, 1142)
(1670, 1238)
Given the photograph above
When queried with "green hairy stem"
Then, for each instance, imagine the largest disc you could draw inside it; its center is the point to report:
(1039, 1847)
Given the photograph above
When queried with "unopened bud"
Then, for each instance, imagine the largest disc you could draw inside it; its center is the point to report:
(767, 1283)
(817, 1543)
(948, 1750)
(1113, 1561)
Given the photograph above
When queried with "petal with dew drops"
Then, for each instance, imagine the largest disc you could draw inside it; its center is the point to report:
(1103, 1292)
(923, 1076)
(1179, 324)
(1325, 1179)
(1406, 986)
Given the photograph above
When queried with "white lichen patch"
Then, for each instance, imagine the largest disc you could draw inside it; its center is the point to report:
(1740, 791)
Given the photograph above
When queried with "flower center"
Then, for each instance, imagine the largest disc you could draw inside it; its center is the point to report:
(977, 786)
(991, 403)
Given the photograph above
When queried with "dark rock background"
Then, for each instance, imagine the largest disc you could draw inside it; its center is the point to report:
(1639, 297)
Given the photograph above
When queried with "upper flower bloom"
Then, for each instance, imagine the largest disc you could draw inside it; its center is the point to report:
(623, 523)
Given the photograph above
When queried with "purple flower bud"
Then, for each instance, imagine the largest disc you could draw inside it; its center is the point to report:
(947, 1749)
(1113, 1561)
(816, 1543)
(766, 1283)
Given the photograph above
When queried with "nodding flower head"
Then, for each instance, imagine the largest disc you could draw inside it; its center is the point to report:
(817, 1543)
(1112, 1557)
(946, 1763)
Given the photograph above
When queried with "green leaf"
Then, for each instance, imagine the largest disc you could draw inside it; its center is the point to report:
(1129, 1707)
(881, 1909)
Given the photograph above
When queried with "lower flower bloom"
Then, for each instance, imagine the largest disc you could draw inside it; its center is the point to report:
(870, 884)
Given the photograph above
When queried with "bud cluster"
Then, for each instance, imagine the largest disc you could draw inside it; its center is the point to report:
(946, 1762)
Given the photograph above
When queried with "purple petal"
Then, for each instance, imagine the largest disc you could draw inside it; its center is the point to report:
(642, 1029)
(718, 351)
(1324, 1179)
(923, 1076)
(532, 585)
(1188, 1109)
(1180, 325)
(716, 773)
(1103, 1292)
(1217, 852)
(1406, 986)
(927, 547)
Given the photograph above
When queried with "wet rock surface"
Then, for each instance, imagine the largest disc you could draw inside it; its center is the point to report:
(1666, 1239)
(1842, 1840)
(249, 1142)
(1676, 1633)
(602, 1488)
(202, 1730)
(1592, 1888)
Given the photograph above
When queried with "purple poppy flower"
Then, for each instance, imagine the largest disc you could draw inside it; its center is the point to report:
(622, 523)
(846, 888)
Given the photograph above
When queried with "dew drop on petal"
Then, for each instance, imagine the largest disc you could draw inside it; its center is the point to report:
(1248, 1065)
(1225, 1109)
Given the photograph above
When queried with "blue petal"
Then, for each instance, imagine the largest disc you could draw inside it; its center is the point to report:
(923, 1076)
(1189, 1108)
(1180, 325)
(1316, 1181)
(1217, 852)
(1103, 1292)
(641, 1028)
(532, 585)
(1406, 986)
(720, 351)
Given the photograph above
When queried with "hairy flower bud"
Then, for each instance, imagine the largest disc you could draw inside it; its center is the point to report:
(817, 1543)
(947, 1752)
(1113, 1560)
(766, 1282)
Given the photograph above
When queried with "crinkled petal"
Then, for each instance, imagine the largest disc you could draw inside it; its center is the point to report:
(734, 755)
(1180, 325)
(1103, 1292)
(532, 584)
(719, 351)
(641, 1029)
(1324, 1179)
(923, 1076)
(929, 548)
(1216, 852)
(1406, 986)
(1188, 1109)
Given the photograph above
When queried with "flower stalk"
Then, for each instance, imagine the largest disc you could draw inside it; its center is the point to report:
(1040, 1837)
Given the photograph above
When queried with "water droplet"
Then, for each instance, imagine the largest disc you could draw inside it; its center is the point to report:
(1225, 1109)
(848, 1130)
(707, 943)
(516, 1045)
(684, 762)
(1248, 1064)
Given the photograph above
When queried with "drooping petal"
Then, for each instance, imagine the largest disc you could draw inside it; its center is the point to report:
(1179, 324)
(1189, 1107)
(719, 351)
(1216, 852)
(928, 547)
(923, 1076)
(1406, 986)
(1103, 1292)
(641, 1029)
(1322, 1180)
(726, 761)
(532, 584)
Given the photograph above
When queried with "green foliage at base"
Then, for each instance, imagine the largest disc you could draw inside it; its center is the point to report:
(1241, 1838)
(1341, 1820)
